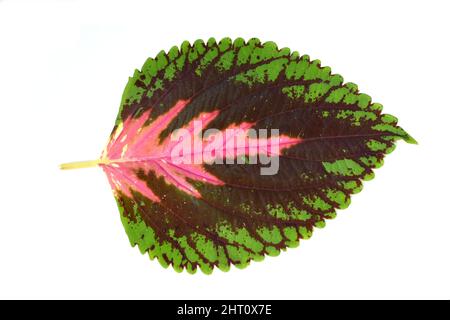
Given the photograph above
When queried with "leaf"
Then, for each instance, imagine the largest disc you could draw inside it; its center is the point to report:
(190, 199)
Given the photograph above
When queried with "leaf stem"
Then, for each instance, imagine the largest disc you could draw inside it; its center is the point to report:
(80, 164)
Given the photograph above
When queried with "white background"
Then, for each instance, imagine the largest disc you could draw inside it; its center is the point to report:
(63, 66)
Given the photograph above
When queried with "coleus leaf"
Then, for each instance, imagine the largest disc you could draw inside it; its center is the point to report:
(206, 214)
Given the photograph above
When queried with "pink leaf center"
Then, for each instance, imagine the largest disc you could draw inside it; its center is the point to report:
(135, 147)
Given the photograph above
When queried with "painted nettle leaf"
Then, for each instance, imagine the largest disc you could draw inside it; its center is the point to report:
(226, 151)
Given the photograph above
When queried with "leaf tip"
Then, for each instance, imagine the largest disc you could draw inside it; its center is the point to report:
(409, 139)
